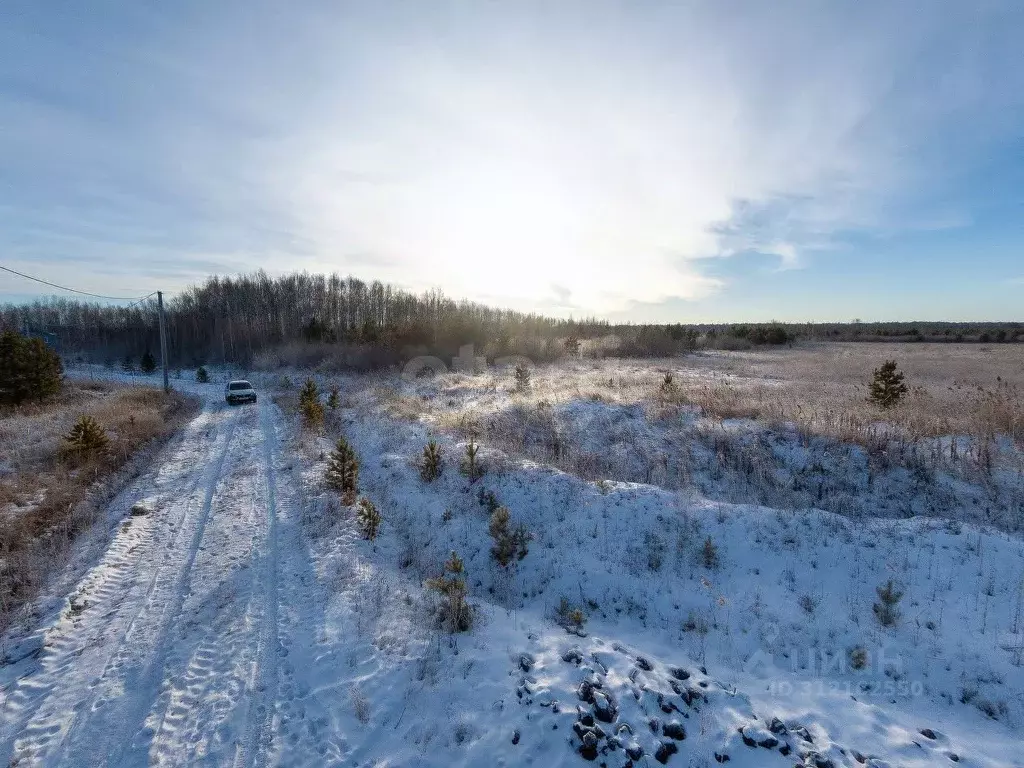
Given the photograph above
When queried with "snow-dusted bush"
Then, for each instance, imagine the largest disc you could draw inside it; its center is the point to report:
(886, 611)
(808, 604)
(202, 376)
(709, 554)
(471, 466)
(858, 658)
(522, 377)
(454, 612)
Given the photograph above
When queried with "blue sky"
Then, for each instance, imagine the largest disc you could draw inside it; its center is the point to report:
(641, 161)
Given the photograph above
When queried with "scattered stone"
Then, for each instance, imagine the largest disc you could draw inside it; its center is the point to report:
(644, 664)
(690, 695)
(928, 733)
(573, 656)
(634, 750)
(674, 730)
(954, 757)
(777, 727)
(604, 707)
(586, 692)
(803, 733)
(666, 706)
(665, 750)
(756, 736)
(818, 760)
(588, 747)
(515, 736)
(139, 509)
(679, 673)
(785, 749)
(526, 662)
(722, 757)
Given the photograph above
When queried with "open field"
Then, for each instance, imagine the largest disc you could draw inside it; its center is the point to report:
(717, 568)
(787, 428)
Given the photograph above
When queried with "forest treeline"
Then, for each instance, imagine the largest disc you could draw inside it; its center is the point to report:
(345, 323)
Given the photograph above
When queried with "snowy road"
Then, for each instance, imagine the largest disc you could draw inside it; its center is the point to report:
(191, 641)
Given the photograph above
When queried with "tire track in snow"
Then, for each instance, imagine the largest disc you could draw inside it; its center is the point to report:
(262, 685)
(91, 622)
(191, 720)
(147, 628)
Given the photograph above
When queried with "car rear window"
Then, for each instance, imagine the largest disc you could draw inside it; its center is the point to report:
(239, 385)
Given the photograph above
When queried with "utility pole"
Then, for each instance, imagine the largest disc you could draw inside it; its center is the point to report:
(163, 337)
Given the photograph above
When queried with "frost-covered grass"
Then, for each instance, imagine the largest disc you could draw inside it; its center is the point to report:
(44, 499)
(624, 490)
(789, 429)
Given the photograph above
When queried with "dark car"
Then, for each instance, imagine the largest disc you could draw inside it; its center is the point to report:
(239, 392)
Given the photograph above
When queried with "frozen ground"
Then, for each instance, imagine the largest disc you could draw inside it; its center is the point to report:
(243, 621)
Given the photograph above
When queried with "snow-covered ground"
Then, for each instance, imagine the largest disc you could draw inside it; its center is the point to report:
(243, 621)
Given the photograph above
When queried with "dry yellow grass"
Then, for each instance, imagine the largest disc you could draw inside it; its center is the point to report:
(43, 497)
(964, 390)
(971, 390)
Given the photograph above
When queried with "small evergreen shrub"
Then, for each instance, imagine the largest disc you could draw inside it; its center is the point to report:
(668, 385)
(309, 391)
(128, 364)
(509, 543)
(29, 370)
(202, 376)
(471, 467)
(432, 463)
(522, 377)
(87, 440)
(310, 406)
(343, 468)
(456, 615)
(488, 499)
(808, 604)
(367, 518)
(887, 386)
(572, 346)
(858, 658)
(148, 363)
(333, 401)
(709, 554)
(886, 610)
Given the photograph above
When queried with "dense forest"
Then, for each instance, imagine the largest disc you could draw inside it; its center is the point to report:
(342, 322)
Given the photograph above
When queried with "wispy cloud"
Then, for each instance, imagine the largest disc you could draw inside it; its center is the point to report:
(588, 155)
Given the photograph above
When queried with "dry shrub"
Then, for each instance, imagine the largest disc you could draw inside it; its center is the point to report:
(44, 501)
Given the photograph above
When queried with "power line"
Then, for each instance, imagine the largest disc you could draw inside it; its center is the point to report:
(74, 290)
(129, 306)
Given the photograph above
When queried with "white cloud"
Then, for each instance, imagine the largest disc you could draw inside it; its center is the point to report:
(584, 155)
